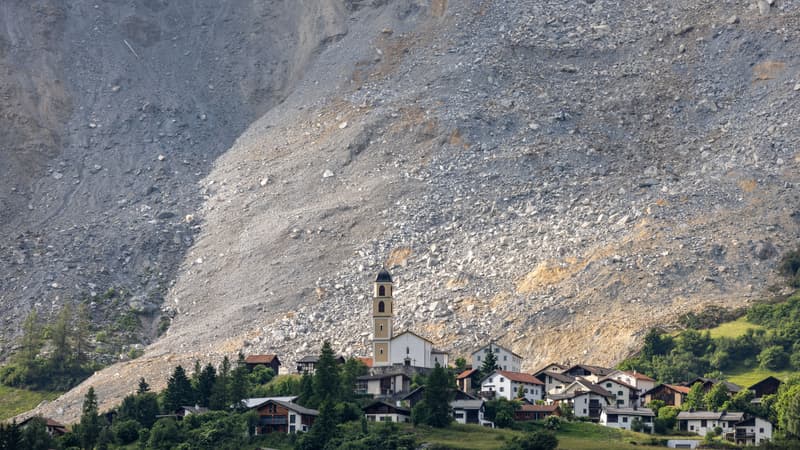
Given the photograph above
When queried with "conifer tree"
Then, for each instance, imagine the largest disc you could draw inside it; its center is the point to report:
(239, 383)
(81, 335)
(179, 391)
(90, 425)
(143, 386)
(437, 397)
(489, 363)
(220, 394)
(205, 384)
(31, 341)
(326, 376)
(60, 337)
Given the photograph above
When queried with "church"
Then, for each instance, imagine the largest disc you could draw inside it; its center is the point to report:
(404, 349)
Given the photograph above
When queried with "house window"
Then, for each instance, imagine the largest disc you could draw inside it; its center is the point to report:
(502, 388)
(760, 430)
(505, 358)
(691, 427)
(624, 419)
(612, 418)
(584, 411)
(619, 393)
(479, 358)
(608, 385)
(291, 418)
(704, 423)
(381, 307)
(291, 429)
(501, 379)
(382, 291)
(408, 350)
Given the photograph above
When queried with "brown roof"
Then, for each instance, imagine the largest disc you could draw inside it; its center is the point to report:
(681, 389)
(520, 377)
(260, 359)
(538, 408)
(640, 376)
(466, 373)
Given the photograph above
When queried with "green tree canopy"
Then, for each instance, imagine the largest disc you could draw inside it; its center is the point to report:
(179, 391)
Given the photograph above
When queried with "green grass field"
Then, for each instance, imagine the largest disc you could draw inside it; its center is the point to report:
(571, 436)
(733, 329)
(748, 377)
(16, 401)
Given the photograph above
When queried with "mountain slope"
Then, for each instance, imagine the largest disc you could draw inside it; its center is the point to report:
(556, 175)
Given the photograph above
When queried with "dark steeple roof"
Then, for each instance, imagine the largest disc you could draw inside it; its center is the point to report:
(383, 277)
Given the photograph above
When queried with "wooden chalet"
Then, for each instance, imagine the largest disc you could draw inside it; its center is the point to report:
(670, 394)
(528, 413)
(278, 416)
(381, 411)
(270, 361)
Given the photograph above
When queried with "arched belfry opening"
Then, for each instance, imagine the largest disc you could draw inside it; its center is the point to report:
(382, 291)
(381, 307)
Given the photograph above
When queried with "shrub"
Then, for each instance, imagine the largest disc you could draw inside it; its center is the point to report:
(125, 431)
(552, 423)
(773, 358)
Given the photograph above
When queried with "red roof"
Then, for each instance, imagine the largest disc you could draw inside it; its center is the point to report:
(538, 408)
(366, 360)
(260, 359)
(520, 377)
(466, 373)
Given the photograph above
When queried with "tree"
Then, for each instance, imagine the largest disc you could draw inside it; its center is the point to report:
(787, 408)
(323, 430)
(10, 436)
(437, 397)
(352, 369)
(537, 440)
(31, 341)
(694, 399)
(489, 363)
(261, 374)
(521, 392)
(239, 384)
(327, 386)
(81, 334)
(90, 425)
(220, 395)
(59, 337)
(773, 357)
(143, 386)
(656, 343)
(35, 436)
(501, 411)
(716, 397)
(461, 365)
(205, 384)
(179, 391)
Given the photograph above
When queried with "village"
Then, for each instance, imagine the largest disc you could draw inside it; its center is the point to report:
(609, 397)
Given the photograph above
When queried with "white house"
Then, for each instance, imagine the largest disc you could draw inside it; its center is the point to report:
(585, 398)
(383, 385)
(552, 367)
(380, 411)
(506, 359)
(642, 382)
(506, 384)
(554, 382)
(468, 411)
(622, 418)
(701, 422)
(625, 395)
(752, 431)
(410, 349)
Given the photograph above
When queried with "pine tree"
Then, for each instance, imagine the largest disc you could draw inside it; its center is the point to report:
(143, 386)
(322, 431)
(81, 334)
(31, 341)
(220, 394)
(179, 391)
(437, 397)
(60, 337)
(353, 368)
(239, 383)
(489, 363)
(90, 425)
(326, 376)
(205, 384)
(307, 390)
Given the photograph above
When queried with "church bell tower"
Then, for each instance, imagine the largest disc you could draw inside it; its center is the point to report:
(382, 311)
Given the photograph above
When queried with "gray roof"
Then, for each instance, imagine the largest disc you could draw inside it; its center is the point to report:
(309, 359)
(466, 404)
(559, 376)
(710, 415)
(383, 276)
(380, 376)
(250, 403)
(631, 412)
(297, 408)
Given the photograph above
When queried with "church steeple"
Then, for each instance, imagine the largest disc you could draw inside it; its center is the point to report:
(382, 312)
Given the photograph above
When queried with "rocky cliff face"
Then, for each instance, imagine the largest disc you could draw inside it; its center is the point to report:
(559, 176)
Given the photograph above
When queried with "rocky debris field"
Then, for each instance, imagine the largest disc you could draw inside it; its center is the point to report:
(558, 176)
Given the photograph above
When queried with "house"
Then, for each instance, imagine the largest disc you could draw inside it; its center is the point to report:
(642, 382)
(468, 411)
(767, 386)
(506, 359)
(752, 431)
(308, 364)
(709, 383)
(585, 398)
(506, 384)
(277, 416)
(184, 411)
(552, 367)
(527, 413)
(554, 382)
(465, 379)
(622, 418)
(270, 361)
(701, 422)
(383, 385)
(381, 411)
(625, 395)
(670, 394)
(53, 428)
(407, 348)
(415, 396)
(591, 373)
